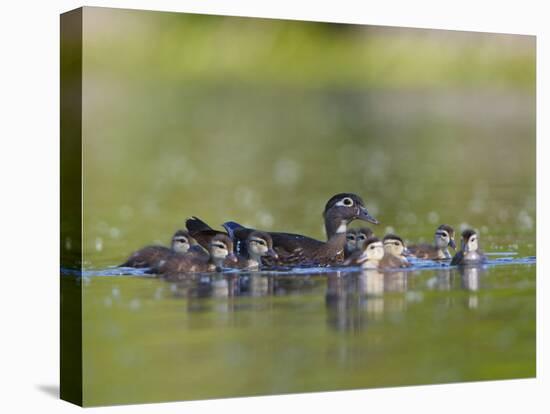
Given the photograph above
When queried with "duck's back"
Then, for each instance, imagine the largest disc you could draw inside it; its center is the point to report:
(393, 262)
(147, 257)
(426, 251)
(469, 258)
(194, 261)
(290, 247)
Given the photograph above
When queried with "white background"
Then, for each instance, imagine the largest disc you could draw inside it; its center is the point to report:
(29, 194)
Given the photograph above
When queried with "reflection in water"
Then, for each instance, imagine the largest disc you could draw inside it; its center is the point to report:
(443, 279)
(469, 281)
(354, 299)
(351, 299)
(469, 277)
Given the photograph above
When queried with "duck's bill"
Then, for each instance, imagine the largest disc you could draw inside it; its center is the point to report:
(364, 215)
(272, 253)
(452, 244)
(232, 258)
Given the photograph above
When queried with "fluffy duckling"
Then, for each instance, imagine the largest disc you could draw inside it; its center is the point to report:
(220, 255)
(355, 240)
(469, 253)
(351, 242)
(443, 239)
(258, 244)
(362, 235)
(371, 255)
(394, 250)
(151, 255)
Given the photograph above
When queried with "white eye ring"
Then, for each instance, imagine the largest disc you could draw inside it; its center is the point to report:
(345, 202)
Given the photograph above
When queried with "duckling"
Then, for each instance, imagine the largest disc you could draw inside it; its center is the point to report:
(363, 234)
(470, 253)
(351, 242)
(443, 239)
(371, 255)
(258, 244)
(291, 248)
(151, 255)
(355, 239)
(220, 255)
(394, 250)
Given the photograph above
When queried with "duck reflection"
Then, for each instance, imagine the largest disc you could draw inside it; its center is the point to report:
(443, 279)
(469, 280)
(448, 279)
(353, 300)
(230, 285)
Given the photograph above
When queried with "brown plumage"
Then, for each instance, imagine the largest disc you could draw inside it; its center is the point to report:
(220, 255)
(201, 231)
(394, 249)
(296, 249)
(443, 239)
(259, 245)
(369, 256)
(151, 255)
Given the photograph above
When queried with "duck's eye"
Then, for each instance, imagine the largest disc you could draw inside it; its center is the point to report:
(220, 246)
(362, 237)
(350, 237)
(347, 202)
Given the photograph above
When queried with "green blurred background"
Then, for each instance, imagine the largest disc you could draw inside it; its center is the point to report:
(261, 121)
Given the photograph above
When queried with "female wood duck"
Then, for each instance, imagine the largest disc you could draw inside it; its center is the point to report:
(291, 248)
(258, 244)
(394, 252)
(151, 255)
(220, 255)
(443, 239)
(370, 256)
(470, 253)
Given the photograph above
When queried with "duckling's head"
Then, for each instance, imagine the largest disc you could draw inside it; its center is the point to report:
(351, 240)
(470, 241)
(221, 248)
(372, 251)
(393, 245)
(444, 237)
(260, 244)
(181, 241)
(363, 234)
(343, 208)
